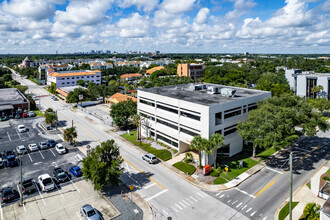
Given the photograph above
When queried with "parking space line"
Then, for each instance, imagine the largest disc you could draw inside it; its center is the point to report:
(178, 206)
(1, 211)
(29, 156)
(201, 195)
(60, 137)
(41, 154)
(28, 134)
(73, 183)
(18, 134)
(59, 192)
(8, 136)
(174, 209)
(52, 152)
(253, 213)
(146, 187)
(35, 184)
(154, 196)
(190, 201)
(78, 215)
(186, 202)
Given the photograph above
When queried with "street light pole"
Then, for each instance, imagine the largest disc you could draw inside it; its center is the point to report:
(290, 205)
(21, 184)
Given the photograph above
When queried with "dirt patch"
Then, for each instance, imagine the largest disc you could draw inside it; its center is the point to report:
(205, 179)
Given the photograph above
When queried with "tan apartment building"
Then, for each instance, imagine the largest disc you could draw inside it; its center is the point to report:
(191, 70)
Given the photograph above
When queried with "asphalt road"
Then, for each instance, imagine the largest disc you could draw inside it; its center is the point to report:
(169, 195)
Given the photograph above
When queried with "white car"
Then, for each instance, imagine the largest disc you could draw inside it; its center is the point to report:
(45, 182)
(43, 145)
(21, 149)
(60, 149)
(21, 128)
(33, 147)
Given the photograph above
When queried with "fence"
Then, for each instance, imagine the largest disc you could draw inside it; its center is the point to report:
(105, 120)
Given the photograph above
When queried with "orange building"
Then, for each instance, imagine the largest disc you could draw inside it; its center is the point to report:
(192, 70)
(150, 71)
(118, 97)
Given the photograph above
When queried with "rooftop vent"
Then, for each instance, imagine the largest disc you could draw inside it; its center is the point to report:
(212, 90)
(200, 87)
(228, 92)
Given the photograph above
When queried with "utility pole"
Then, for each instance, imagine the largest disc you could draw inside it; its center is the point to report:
(290, 205)
(72, 124)
(21, 184)
(56, 119)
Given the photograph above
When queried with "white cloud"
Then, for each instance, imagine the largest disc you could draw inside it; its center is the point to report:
(177, 6)
(202, 16)
(241, 7)
(34, 9)
(147, 5)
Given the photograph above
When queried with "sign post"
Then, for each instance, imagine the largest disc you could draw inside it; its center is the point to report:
(206, 169)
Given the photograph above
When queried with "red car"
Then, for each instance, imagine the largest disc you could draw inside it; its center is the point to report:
(24, 115)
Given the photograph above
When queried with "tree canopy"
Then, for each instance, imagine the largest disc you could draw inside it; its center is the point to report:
(122, 112)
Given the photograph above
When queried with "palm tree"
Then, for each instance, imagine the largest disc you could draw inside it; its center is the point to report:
(136, 121)
(50, 117)
(216, 140)
(197, 144)
(70, 134)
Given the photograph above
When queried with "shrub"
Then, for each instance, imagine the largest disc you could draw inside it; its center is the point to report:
(215, 172)
(311, 211)
(326, 178)
(185, 167)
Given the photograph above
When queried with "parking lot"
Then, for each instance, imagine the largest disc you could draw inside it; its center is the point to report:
(66, 199)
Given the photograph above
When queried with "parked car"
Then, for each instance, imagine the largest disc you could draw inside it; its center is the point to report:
(24, 115)
(9, 152)
(35, 98)
(43, 145)
(89, 213)
(2, 162)
(28, 186)
(33, 147)
(45, 182)
(10, 116)
(76, 171)
(4, 118)
(11, 161)
(54, 98)
(51, 143)
(150, 158)
(31, 114)
(60, 149)
(21, 149)
(21, 128)
(60, 175)
(17, 116)
(7, 194)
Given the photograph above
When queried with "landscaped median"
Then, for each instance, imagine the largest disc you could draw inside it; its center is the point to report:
(285, 210)
(185, 167)
(161, 154)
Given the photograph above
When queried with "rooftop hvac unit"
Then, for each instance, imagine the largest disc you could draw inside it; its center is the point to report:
(200, 87)
(228, 92)
(212, 90)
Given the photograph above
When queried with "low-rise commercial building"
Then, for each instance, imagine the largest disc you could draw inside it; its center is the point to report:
(175, 114)
(303, 83)
(11, 100)
(131, 76)
(118, 97)
(191, 70)
(70, 78)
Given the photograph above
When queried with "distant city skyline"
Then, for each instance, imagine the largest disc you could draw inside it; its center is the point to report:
(169, 26)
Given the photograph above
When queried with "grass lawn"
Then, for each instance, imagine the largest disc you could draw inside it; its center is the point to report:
(233, 165)
(185, 167)
(38, 113)
(328, 172)
(162, 154)
(285, 210)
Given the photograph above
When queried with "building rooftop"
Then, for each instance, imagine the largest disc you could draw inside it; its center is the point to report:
(206, 93)
(326, 207)
(10, 95)
(73, 73)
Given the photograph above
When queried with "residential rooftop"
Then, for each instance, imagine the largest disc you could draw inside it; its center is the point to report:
(206, 93)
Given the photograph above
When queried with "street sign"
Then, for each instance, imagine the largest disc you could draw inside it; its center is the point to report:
(81, 97)
(131, 187)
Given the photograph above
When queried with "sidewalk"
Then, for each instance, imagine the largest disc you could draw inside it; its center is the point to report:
(304, 195)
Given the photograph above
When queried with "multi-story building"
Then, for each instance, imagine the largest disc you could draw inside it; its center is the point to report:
(70, 78)
(97, 65)
(191, 70)
(55, 67)
(302, 83)
(175, 114)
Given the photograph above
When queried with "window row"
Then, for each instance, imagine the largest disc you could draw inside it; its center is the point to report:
(82, 77)
(229, 130)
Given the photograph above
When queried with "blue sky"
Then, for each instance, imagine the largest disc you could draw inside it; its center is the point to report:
(171, 26)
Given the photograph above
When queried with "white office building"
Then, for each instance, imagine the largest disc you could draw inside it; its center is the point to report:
(302, 83)
(70, 78)
(175, 114)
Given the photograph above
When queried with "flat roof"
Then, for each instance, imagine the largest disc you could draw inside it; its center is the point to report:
(187, 92)
(10, 96)
(68, 89)
(326, 207)
(326, 188)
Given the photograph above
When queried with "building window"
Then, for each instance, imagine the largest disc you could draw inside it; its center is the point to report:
(224, 150)
(310, 84)
(68, 78)
(167, 109)
(77, 77)
(92, 76)
(63, 78)
(87, 76)
(244, 109)
(68, 83)
(229, 130)
(232, 112)
(328, 89)
(147, 103)
(167, 124)
(188, 132)
(252, 106)
(218, 118)
(147, 116)
(72, 77)
(160, 137)
(188, 115)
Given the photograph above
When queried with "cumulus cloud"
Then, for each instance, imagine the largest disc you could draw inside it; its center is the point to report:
(177, 6)
(147, 5)
(202, 16)
(241, 7)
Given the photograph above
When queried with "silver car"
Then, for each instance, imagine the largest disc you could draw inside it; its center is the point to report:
(89, 213)
(21, 149)
(150, 158)
(43, 145)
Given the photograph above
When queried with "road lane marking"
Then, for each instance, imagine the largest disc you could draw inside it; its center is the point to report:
(158, 194)
(18, 134)
(234, 202)
(183, 205)
(35, 184)
(193, 198)
(41, 154)
(222, 196)
(28, 134)
(244, 207)
(242, 191)
(144, 174)
(217, 194)
(264, 218)
(178, 206)
(174, 209)
(277, 171)
(190, 201)
(148, 186)
(266, 187)
(60, 137)
(239, 205)
(253, 213)
(248, 210)
(8, 136)
(133, 179)
(229, 200)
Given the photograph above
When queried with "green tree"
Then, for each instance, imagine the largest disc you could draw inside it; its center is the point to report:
(70, 134)
(81, 82)
(50, 117)
(216, 140)
(103, 165)
(311, 212)
(22, 89)
(320, 104)
(197, 143)
(52, 88)
(136, 121)
(122, 111)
